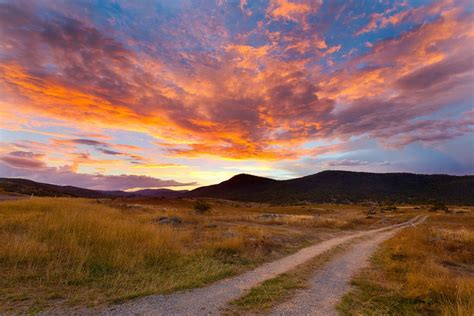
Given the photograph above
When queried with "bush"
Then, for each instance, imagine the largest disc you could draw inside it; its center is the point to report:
(202, 207)
(439, 207)
(389, 208)
(372, 211)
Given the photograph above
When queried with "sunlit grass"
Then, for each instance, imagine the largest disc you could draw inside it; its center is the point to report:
(76, 252)
(81, 251)
(427, 270)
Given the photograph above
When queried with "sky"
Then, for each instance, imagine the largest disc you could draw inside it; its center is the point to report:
(121, 95)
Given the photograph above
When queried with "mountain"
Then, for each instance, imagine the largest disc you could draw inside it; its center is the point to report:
(239, 187)
(326, 186)
(28, 187)
(23, 186)
(157, 193)
(345, 186)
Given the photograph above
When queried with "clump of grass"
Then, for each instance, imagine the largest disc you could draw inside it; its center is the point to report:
(270, 291)
(439, 207)
(424, 270)
(202, 207)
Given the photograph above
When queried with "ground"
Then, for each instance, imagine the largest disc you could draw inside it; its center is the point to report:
(424, 271)
(68, 253)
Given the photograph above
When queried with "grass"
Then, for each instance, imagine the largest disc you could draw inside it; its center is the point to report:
(76, 252)
(284, 286)
(424, 271)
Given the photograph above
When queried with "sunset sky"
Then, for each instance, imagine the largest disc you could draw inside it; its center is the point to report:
(176, 94)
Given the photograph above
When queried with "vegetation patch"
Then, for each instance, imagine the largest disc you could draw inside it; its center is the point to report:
(72, 251)
(65, 252)
(422, 271)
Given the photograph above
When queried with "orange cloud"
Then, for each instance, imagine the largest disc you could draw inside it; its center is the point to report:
(384, 19)
(284, 9)
(394, 58)
(231, 100)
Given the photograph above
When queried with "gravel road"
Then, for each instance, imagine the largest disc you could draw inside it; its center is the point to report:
(332, 282)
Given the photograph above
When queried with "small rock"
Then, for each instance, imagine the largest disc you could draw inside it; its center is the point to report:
(172, 220)
(229, 234)
(270, 216)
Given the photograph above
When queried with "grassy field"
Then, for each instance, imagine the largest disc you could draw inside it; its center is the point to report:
(424, 271)
(74, 252)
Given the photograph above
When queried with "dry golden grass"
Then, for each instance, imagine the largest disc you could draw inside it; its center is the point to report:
(427, 270)
(309, 221)
(65, 251)
(77, 251)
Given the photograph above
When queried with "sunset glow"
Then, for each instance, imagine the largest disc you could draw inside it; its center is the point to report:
(177, 94)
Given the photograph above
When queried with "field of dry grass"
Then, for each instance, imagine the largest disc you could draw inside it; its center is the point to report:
(423, 271)
(65, 251)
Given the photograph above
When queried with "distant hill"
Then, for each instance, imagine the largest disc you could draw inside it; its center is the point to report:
(326, 186)
(239, 187)
(345, 186)
(157, 193)
(28, 187)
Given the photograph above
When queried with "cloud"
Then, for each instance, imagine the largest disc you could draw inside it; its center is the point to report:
(427, 76)
(288, 10)
(23, 160)
(354, 162)
(36, 170)
(211, 81)
(102, 147)
(416, 15)
(347, 162)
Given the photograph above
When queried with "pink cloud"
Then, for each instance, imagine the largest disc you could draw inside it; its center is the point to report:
(36, 170)
(23, 160)
(234, 100)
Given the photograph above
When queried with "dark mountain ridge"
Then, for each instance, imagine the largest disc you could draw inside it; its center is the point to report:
(28, 187)
(346, 186)
(238, 187)
(326, 186)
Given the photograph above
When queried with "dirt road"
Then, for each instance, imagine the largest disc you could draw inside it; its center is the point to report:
(330, 283)
(209, 300)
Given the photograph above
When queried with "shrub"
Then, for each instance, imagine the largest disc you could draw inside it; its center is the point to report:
(372, 211)
(439, 207)
(202, 207)
(389, 208)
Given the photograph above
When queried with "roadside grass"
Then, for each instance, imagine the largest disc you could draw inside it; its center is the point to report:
(283, 287)
(424, 271)
(76, 252)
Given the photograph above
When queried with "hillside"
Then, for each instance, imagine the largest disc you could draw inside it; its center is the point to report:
(239, 187)
(326, 186)
(345, 186)
(28, 187)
